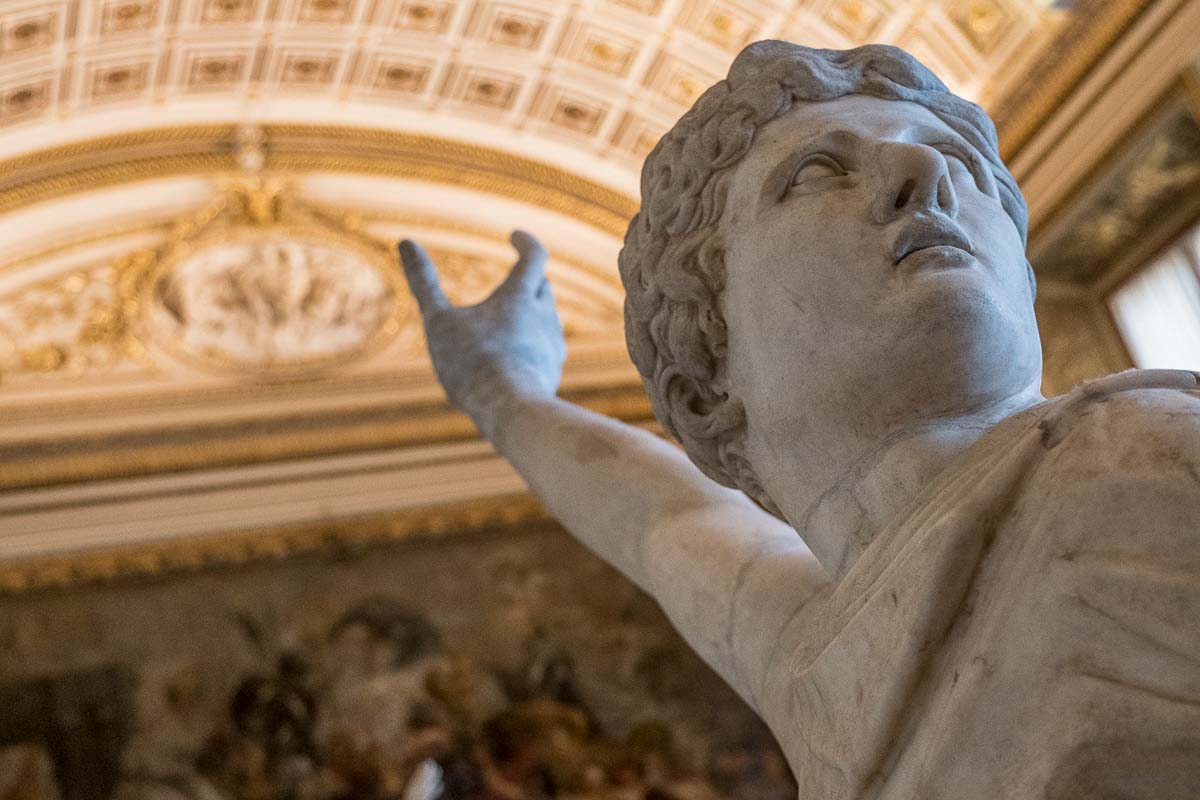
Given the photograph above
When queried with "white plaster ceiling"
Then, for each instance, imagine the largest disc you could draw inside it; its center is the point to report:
(96, 384)
(585, 87)
(587, 83)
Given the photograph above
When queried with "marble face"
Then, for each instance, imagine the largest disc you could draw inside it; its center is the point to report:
(871, 272)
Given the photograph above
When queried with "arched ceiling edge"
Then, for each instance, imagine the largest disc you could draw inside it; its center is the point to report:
(296, 148)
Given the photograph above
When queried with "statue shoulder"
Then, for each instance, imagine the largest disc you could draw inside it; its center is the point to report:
(1133, 411)
(1121, 468)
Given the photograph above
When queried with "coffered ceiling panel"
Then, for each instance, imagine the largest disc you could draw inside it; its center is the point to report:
(604, 76)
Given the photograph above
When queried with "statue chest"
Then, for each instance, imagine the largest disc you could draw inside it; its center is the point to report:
(1032, 631)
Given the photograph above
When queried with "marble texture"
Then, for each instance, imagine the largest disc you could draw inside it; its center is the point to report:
(927, 578)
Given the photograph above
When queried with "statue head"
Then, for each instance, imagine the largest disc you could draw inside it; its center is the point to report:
(825, 234)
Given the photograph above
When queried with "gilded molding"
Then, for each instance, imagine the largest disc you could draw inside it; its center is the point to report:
(162, 226)
(250, 210)
(113, 309)
(237, 548)
(1093, 28)
(1101, 230)
(241, 442)
(441, 223)
(168, 152)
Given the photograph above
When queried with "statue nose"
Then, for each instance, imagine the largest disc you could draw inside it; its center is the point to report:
(918, 180)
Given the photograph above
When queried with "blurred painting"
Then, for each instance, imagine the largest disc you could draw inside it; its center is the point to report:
(509, 666)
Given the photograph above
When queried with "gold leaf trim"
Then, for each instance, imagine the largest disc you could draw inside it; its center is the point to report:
(168, 152)
(244, 442)
(236, 548)
(1094, 27)
(247, 210)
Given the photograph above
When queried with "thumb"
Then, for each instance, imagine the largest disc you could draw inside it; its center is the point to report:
(530, 270)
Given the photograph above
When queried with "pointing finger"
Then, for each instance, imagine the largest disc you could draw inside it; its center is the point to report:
(422, 278)
(530, 270)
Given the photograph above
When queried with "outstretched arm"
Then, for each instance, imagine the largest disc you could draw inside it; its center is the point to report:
(730, 576)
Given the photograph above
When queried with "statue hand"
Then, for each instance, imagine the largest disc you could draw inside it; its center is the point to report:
(511, 342)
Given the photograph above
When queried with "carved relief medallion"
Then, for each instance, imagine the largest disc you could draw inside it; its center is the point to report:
(270, 297)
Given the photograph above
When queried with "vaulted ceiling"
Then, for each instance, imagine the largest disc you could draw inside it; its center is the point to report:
(601, 78)
(199, 200)
(449, 120)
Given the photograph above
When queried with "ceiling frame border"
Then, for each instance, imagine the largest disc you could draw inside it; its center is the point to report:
(211, 149)
(1088, 37)
(238, 548)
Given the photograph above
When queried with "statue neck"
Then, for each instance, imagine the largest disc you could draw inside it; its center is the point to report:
(865, 489)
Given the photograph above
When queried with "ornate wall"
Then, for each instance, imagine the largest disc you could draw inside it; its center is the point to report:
(514, 661)
(1139, 196)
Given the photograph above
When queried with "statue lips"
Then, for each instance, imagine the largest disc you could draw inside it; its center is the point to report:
(932, 241)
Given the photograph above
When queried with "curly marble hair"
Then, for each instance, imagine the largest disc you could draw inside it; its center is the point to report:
(673, 263)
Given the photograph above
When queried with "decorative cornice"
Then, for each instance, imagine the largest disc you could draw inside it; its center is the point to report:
(1065, 246)
(236, 548)
(121, 430)
(243, 441)
(211, 149)
(1093, 28)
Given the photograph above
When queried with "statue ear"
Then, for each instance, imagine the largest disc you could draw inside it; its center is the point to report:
(701, 419)
(1032, 280)
(695, 408)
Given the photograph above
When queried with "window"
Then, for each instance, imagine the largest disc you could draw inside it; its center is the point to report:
(1158, 309)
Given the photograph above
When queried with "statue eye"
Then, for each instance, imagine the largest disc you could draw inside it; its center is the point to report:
(816, 167)
(953, 156)
(978, 174)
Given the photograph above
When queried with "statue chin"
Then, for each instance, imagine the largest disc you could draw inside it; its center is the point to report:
(960, 352)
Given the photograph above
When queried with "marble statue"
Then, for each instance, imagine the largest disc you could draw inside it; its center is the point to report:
(992, 595)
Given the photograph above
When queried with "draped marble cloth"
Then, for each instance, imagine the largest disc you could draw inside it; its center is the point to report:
(1038, 613)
